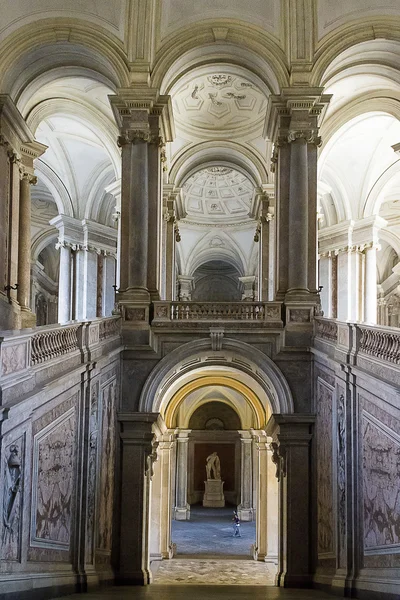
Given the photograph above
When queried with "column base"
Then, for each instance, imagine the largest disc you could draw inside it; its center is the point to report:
(142, 577)
(288, 580)
(28, 318)
(182, 513)
(245, 514)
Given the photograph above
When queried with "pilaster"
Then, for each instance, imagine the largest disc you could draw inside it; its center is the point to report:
(291, 452)
(138, 452)
(182, 508)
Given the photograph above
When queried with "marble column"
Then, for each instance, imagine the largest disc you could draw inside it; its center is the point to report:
(170, 235)
(137, 455)
(298, 218)
(64, 285)
(264, 258)
(89, 284)
(325, 280)
(349, 286)
(272, 511)
(182, 508)
(185, 288)
(28, 318)
(167, 454)
(261, 474)
(245, 508)
(292, 124)
(248, 283)
(108, 295)
(291, 453)
(145, 121)
(371, 292)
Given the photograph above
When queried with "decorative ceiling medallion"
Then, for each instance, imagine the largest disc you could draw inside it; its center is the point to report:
(217, 194)
(219, 102)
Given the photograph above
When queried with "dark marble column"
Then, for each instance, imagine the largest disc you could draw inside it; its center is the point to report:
(291, 452)
(137, 452)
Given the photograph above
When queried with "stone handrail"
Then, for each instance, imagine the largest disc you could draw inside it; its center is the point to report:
(216, 311)
(376, 341)
(47, 345)
(21, 350)
(381, 343)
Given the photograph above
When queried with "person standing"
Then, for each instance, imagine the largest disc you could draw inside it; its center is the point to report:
(236, 525)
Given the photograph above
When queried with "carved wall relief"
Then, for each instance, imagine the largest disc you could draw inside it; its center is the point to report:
(92, 470)
(381, 490)
(324, 470)
(53, 479)
(341, 475)
(12, 500)
(107, 457)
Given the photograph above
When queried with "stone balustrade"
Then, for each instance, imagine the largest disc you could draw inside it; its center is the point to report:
(359, 340)
(22, 350)
(217, 311)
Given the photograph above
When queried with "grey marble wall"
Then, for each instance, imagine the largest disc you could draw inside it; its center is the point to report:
(357, 459)
(57, 474)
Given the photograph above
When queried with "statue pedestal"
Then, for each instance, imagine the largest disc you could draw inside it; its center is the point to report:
(214, 493)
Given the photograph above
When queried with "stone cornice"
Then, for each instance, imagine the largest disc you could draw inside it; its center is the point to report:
(350, 235)
(294, 114)
(85, 235)
(134, 110)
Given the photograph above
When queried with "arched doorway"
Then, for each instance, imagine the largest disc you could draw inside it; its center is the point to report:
(205, 386)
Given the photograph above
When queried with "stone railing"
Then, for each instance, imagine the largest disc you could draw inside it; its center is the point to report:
(165, 312)
(47, 345)
(358, 339)
(382, 343)
(22, 350)
(326, 329)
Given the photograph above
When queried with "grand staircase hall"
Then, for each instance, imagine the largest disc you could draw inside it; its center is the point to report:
(199, 299)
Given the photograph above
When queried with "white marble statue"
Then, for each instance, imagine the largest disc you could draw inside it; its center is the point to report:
(213, 467)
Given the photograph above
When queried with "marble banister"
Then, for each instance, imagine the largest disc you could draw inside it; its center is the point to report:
(217, 311)
(359, 339)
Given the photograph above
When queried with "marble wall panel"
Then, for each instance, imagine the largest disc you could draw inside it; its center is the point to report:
(92, 471)
(324, 428)
(341, 427)
(12, 478)
(380, 479)
(54, 455)
(108, 396)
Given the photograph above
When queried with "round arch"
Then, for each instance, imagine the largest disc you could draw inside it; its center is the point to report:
(190, 359)
(214, 379)
(246, 45)
(348, 35)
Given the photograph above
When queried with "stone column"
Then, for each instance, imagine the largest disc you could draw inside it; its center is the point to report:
(248, 290)
(64, 285)
(144, 118)
(291, 453)
(138, 451)
(245, 508)
(298, 216)
(185, 288)
(171, 236)
(325, 280)
(272, 511)
(182, 508)
(28, 318)
(260, 438)
(371, 292)
(108, 296)
(264, 253)
(292, 124)
(166, 452)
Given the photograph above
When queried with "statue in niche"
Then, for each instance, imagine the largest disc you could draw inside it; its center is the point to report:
(213, 467)
(13, 477)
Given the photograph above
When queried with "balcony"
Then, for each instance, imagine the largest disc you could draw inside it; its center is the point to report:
(240, 314)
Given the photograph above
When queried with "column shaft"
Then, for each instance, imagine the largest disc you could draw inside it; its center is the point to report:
(262, 507)
(170, 260)
(154, 218)
(298, 217)
(245, 509)
(182, 508)
(24, 243)
(138, 217)
(370, 298)
(325, 279)
(64, 286)
(282, 232)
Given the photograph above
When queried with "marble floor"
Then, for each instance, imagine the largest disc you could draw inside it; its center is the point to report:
(183, 592)
(209, 533)
(214, 572)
